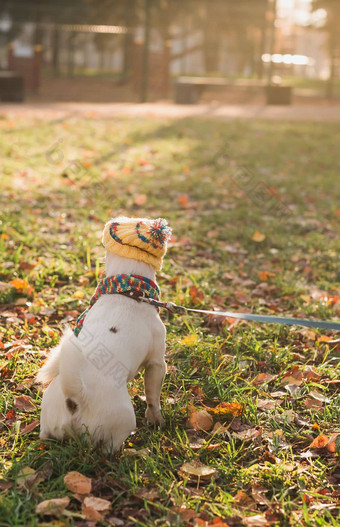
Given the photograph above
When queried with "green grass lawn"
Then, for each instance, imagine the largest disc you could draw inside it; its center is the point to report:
(255, 210)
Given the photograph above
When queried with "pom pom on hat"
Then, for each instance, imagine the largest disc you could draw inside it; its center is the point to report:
(138, 238)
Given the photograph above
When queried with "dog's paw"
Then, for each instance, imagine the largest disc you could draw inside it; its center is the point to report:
(154, 416)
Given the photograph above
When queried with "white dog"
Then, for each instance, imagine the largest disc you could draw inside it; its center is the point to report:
(117, 336)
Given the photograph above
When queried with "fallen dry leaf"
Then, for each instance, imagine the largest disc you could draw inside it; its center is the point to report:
(249, 434)
(258, 520)
(24, 476)
(182, 512)
(318, 396)
(243, 500)
(24, 402)
(183, 201)
(196, 295)
(219, 428)
(319, 442)
(200, 420)
(265, 275)
(98, 504)
(310, 374)
(29, 428)
(259, 494)
(267, 404)
(22, 286)
(5, 485)
(53, 507)
(262, 378)
(140, 199)
(190, 340)
(228, 409)
(333, 444)
(312, 403)
(91, 515)
(76, 482)
(197, 470)
(258, 237)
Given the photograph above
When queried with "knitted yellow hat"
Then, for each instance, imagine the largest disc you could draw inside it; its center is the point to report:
(138, 238)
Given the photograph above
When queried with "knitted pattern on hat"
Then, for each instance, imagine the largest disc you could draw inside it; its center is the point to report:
(138, 238)
(119, 283)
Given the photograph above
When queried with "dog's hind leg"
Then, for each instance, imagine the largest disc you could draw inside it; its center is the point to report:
(153, 379)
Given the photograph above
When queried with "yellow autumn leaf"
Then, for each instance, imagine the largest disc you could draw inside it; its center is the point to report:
(231, 409)
(258, 237)
(19, 284)
(190, 340)
(22, 286)
(78, 294)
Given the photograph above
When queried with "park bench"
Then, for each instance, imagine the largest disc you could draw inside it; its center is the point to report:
(188, 90)
(11, 87)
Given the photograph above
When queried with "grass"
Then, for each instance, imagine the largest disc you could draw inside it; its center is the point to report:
(218, 183)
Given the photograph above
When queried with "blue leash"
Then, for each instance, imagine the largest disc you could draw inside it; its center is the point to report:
(289, 321)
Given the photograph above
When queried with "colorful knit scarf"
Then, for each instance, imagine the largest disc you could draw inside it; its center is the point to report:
(120, 283)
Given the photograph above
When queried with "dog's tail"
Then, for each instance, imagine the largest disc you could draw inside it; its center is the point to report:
(50, 369)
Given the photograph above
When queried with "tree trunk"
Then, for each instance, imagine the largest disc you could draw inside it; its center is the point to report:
(332, 58)
(211, 46)
(56, 51)
(70, 54)
(129, 21)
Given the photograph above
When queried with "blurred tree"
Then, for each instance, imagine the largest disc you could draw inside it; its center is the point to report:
(332, 25)
(239, 22)
(40, 11)
(115, 12)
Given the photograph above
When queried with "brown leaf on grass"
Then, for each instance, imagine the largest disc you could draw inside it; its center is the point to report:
(262, 378)
(200, 420)
(150, 494)
(312, 404)
(98, 504)
(310, 374)
(26, 266)
(183, 201)
(249, 434)
(293, 373)
(140, 199)
(197, 471)
(24, 476)
(318, 396)
(319, 442)
(29, 478)
(5, 485)
(91, 515)
(244, 500)
(76, 482)
(53, 507)
(181, 513)
(333, 444)
(196, 294)
(259, 520)
(258, 493)
(25, 403)
(29, 428)
(219, 428)
(267, 404)
(264, 276)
